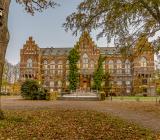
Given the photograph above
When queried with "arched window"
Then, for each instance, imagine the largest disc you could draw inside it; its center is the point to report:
(143, 62)
(111, 66)
(29, 63)
(127, 67)
(92, 64)
(85, 60)
(119, 66)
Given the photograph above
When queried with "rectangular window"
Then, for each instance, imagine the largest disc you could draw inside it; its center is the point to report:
(60, 66)
(52, 67)
(60, 72)
(110, 70)
(45, 66)
(67, 72)
(119, 83)
(85, 65)
(127, 71)
(67, 66)
(119, 71)
(45, 72)
(128, 83)
(144, 81)
(52, 84)
(52, 72)
(128, 90)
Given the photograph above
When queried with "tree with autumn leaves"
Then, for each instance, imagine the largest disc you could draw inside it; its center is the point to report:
(121, 20)
(124, 21)
(30, 6)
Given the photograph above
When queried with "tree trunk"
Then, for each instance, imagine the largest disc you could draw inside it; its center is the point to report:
(4, 39)
(4, 35)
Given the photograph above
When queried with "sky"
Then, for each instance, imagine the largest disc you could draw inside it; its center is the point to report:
(45, 28)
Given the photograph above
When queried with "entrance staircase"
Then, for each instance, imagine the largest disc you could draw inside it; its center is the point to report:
(80, 95)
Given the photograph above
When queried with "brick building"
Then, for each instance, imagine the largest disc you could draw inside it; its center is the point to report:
(51, 67)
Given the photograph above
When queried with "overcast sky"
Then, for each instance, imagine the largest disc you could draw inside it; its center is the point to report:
(46, 28)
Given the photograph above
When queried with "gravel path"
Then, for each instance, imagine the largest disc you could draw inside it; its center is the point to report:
(146, 114)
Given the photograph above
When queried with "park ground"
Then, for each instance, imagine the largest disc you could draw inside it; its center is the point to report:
(121, 118)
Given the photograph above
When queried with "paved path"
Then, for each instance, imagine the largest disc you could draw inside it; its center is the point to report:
(146, 114)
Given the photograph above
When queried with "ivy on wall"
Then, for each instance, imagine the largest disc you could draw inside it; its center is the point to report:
(73, 69)
(99, 74)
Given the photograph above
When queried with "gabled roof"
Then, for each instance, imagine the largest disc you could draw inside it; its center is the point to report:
(109, 50)
(55, 51)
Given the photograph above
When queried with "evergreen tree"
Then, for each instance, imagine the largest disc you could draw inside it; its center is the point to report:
(73, 70)
(98, 77)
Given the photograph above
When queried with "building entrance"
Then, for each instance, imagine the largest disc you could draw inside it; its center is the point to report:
(85, 82)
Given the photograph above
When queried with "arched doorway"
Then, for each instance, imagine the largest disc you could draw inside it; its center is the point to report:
(85, 82)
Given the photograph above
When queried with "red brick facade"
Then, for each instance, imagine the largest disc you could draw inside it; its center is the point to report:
(50, 66)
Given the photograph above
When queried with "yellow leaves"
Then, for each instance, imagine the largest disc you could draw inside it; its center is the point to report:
(142, 46)
(68, 124)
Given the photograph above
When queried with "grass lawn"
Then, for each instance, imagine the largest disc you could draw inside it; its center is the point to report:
(134, 98)
(68, 125)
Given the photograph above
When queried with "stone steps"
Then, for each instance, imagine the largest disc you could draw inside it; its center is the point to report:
(78, 98)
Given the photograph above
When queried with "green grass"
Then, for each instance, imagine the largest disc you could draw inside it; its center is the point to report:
(69, 125)
(135, 98)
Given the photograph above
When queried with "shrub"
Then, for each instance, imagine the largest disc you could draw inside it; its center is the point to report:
(30, 89)
(158, 90)
(52, 96)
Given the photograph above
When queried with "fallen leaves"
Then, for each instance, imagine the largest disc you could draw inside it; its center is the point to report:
(68, 124)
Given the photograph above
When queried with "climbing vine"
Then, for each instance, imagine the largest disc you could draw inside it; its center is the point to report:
(99, 74)
(73, 69)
